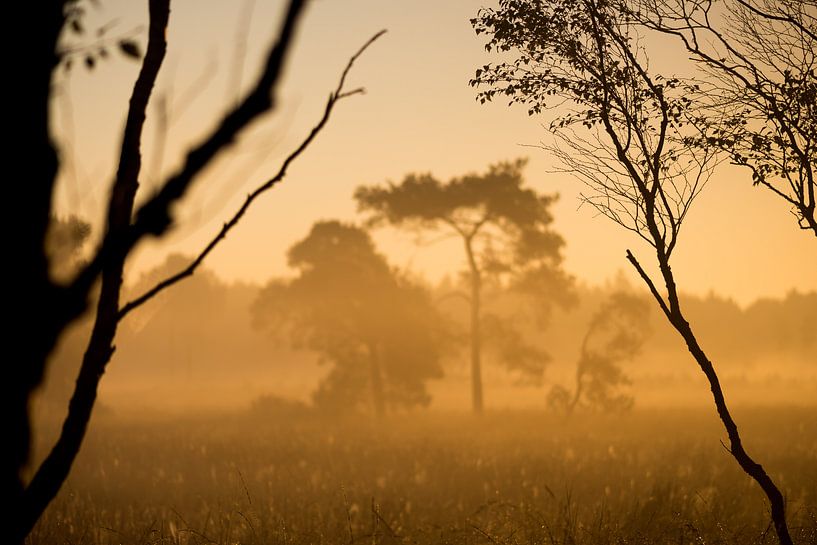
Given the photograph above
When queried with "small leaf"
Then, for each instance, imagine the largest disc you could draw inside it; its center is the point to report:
(131, 49)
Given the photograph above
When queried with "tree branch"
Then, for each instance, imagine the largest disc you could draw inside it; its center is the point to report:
(631, 258)
(334, 97)
(53, 471)
(153, 218)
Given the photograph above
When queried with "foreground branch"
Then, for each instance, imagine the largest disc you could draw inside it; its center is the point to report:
(736, 449)
(334, 97)
(55, 468)
(122, 235)
(153, 218)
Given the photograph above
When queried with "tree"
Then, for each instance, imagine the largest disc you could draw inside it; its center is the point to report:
(44, 307)
(504, 227)
(378, 330)
(625, 137)
(757, 93)
(616, 333)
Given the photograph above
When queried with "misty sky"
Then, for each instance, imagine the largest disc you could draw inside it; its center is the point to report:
(418, 115)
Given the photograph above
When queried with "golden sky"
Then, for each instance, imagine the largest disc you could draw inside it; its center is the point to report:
(418, 115)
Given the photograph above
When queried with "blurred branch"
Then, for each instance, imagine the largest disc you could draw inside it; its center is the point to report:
(153, 218)
(338, 94)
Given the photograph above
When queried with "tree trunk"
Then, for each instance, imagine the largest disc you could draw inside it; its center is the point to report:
(476, 338)
(577, 394)
(750, 467)
(746, 462)
(580, 370)
(31, 174)
(376, 381)
(54, 470)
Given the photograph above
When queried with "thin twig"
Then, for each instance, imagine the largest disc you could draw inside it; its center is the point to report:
(631, 258)
(154, 217)
(336, 96)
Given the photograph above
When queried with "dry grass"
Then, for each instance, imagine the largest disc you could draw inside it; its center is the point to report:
(659, 478)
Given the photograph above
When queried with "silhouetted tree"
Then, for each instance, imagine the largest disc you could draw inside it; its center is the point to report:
(757, 92)
(42, 307)
(505, 230)
(634, 154)
(380, 332)
(616, 333)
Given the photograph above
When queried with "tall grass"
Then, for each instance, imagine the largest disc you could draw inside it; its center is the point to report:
(507, 478)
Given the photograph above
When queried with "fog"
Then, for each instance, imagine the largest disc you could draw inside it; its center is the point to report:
(441, 284)
(197, 348)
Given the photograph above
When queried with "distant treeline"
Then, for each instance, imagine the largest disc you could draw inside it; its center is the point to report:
(197, 345)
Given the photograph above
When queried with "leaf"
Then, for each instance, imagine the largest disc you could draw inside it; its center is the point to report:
(131, 49)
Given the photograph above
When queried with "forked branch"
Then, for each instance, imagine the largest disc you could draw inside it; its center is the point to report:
(338, 94)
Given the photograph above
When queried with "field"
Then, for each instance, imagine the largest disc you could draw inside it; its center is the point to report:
(508, 478)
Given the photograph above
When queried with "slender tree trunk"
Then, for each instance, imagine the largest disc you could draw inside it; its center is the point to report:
(580, 371)
(577, 394)
(476, 336)
(747, 463)
(376, 381)
(54, 470)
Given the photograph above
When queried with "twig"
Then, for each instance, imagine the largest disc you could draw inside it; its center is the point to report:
(631, 258)
(334, 97)
(153, 218)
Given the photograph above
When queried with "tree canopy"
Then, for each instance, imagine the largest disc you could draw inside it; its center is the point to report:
(756, 90)
(507, 236)
(513, 222)
(378, 330)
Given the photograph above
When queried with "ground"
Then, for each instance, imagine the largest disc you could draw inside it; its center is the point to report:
(659, 477)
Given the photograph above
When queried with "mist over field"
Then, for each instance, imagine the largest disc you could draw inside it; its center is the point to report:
(197, 348)
(209, 431)
(432, 272)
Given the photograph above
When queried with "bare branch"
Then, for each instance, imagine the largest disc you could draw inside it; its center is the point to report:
(153, 218)
(655, 293)
(336, 96)
(53, 471)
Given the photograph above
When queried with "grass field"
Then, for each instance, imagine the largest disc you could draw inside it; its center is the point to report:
(651, 478)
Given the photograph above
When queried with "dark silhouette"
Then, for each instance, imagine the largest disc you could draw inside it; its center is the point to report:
(378, 330)
(758, 91)
(616, 333)
(505, 230)
(43, 308)
(634, 156)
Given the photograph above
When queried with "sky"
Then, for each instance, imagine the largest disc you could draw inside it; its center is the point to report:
(418, 115)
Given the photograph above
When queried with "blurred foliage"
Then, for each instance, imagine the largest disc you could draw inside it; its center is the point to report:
(64, 243)
(616, 333)
(377, 329)
(80, 44)
(509, 245)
